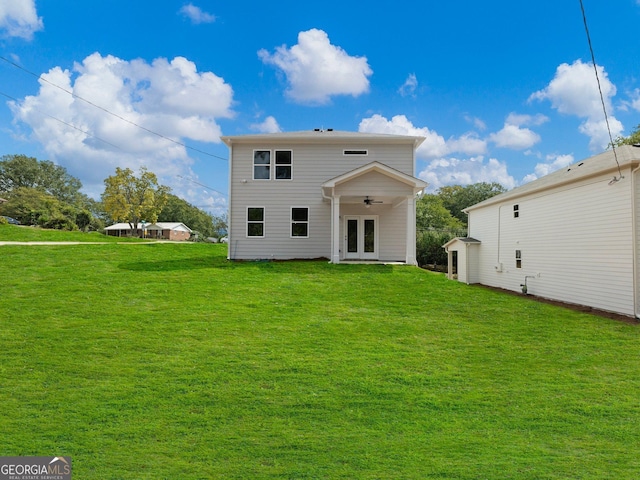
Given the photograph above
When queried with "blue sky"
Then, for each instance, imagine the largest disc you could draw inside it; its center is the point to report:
(503, 91)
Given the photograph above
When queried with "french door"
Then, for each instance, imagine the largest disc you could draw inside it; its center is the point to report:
(361, 237)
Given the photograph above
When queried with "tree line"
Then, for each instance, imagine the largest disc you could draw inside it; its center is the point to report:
(42, 193)
(440, 217)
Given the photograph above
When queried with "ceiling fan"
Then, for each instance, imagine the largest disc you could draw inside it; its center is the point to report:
(369, 201)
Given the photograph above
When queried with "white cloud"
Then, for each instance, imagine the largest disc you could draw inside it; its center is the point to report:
(574, 91)
(434, 146)
(476, 122)
(553, 163)
(170, 98)
(196, 15)
(444, 169)
(18, 18)
(270, 125)
(520, 119)
(316, 70)
(514, 136)
(409, 86)
(635, 97)
(455, 171)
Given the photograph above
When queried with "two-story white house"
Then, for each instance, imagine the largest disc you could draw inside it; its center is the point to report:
(329, 194)
(572, 235)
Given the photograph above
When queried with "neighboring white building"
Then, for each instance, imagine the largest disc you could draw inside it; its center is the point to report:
(323, 194)
(572, 235)
(175, 231)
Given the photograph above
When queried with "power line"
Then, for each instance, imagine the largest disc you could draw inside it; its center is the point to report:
(604, 108)
(202, 185)
(65, 123)
(40, 77)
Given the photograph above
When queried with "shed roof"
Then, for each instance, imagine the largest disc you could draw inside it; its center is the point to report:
(628, 156)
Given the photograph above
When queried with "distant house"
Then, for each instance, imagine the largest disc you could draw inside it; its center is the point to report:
(161, 230)
(572, 235)
(2, 200)
(323, 194)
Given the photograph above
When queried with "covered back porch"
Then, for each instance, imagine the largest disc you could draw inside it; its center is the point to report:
(373, 215)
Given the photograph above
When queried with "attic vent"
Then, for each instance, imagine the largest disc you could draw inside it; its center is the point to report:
(355, 152)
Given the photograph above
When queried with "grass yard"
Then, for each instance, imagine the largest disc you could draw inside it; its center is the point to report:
(12, 233)
(165, 361)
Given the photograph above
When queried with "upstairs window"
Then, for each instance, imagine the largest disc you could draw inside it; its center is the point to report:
(283, 164)
(516, 211)
(299, 222)
(255, 222)
(261, 164)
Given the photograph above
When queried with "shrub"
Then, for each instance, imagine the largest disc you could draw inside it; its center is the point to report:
(60, 223)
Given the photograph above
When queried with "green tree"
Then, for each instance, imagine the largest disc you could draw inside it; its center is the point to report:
(131, 199)
(34, 207)
(456, 197)
(431, 214)
(178, 210)
(21, 171)
(220, 225)
(632, 139)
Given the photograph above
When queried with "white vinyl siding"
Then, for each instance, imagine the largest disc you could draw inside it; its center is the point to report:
(313, 164)
(575, 242)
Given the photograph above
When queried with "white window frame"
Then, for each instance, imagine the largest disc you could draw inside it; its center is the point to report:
(272, 166)
(275, 164)
(251, 222)
(292, 222)
(254, 165)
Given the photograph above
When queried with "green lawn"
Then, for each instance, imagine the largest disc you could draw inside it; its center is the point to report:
(165, 361)
(12, 233)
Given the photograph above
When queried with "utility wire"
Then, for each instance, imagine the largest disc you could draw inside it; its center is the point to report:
(604, 108)
(40, 77)
(202, 185)
(65, 123)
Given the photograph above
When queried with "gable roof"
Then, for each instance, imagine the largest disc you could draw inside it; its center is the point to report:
(323, 136)
(469, 240)
(628, 156)
(376, 167)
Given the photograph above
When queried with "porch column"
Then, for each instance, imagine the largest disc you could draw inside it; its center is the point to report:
(411, 231)
(335, 229)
